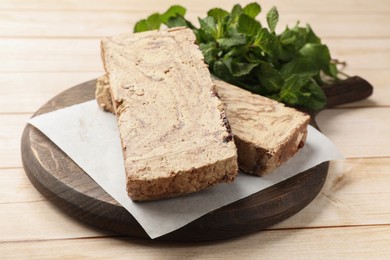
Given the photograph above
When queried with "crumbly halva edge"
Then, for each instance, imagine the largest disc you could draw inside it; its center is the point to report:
(257, 155)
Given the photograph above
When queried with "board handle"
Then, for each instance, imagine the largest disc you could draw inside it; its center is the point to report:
(347, 90)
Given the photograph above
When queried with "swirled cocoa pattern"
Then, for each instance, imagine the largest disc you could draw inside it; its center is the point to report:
(171, 123)
(266, 132)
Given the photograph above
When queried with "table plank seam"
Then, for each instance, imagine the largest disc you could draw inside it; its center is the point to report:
(157, 241)
(325, 227)
(64, 239)
(22, 202)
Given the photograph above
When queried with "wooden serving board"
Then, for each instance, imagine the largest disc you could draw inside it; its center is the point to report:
(65, 184)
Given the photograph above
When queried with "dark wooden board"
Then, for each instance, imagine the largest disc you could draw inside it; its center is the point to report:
(62, 182)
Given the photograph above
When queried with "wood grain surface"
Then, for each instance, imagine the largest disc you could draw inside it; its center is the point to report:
(61, 181)
(47, 46)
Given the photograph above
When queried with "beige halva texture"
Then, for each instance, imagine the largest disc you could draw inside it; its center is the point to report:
(174, 132)
(266, 132)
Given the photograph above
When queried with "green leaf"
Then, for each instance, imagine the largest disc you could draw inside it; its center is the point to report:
(318, 54)
(173, 17)
(248, 25)
(141, 26)
(290, 42)
(221, 71)
(295, 38)
(272, 18)
(269, 78)
(153, 22)
(228, 43)
(299, 90)
(172, 12)
(177, 21)
(311, 37)
(302, 66)
(236, 11)
(291, 89)
(217, 14)
(232, 20)
(265, 41)
(312, 96)
(252, 9)
(237, 68)
(209, 51)
(208, 28)
(238, 52)
(333, 70)
(287, 37)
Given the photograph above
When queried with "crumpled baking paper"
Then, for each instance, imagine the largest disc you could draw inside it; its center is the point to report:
(90, 137)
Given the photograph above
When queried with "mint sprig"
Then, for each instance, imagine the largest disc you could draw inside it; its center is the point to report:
(289, 67)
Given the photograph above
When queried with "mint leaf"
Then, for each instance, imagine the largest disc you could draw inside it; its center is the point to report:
(270, 78)
(173, 17)
(238, 69)
(291, 90)
(318, 54)
(299, 89)
(299, 36)
(265, 41)
(333, 70)
(236, 11)
(287, 37)
(312, 96)
(233, 18)
(221, 71)
(173, 11)
(219, 16)
(228, 43)
(252, 10)
(177, 21)
(217, 13)
(141, 26)
(237, 52)
(153, 22)
(210, 52)
(311, 36)
(302, 66)
(272, 18)
(248, 25)
(208, 28)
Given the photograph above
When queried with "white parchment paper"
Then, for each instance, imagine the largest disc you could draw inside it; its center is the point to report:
(90, 137)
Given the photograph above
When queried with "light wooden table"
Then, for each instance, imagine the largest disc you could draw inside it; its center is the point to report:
(47, 46)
